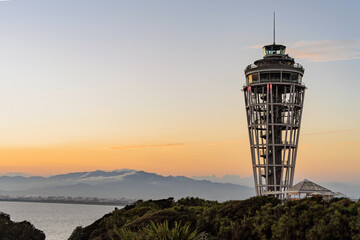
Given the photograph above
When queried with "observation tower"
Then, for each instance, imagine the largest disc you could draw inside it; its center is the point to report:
(274, 98)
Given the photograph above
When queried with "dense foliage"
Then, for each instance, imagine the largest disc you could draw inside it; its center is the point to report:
(10, 230)
(255, 218)
(160, 231)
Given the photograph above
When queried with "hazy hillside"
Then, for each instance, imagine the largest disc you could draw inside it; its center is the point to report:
(121, 183)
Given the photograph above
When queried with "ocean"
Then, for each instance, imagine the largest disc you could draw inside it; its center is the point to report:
(56, 220)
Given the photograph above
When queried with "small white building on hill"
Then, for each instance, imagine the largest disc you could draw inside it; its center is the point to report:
(308, 188)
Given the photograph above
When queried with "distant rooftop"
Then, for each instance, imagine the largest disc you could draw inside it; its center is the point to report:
(307, 186)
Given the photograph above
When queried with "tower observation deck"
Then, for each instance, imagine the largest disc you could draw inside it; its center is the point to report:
(274, 98)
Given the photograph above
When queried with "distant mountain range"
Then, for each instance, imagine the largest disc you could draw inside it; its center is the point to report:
(132, 184)
(352, 190)
(234, 179)
(123, 183)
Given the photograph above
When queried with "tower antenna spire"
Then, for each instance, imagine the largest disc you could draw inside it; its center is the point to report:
(274, 28)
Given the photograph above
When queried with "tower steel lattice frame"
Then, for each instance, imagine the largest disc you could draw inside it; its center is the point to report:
(274, 99)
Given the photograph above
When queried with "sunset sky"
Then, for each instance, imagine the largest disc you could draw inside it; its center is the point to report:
(155, 85)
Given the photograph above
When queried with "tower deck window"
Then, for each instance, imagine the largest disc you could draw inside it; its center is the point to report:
(270, 76)
(253, 78)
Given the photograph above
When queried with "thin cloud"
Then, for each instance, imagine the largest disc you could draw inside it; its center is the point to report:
(330, 132)
(225, 143)
(325, 50)
(305, 146)
(350, 143)
(163, 146)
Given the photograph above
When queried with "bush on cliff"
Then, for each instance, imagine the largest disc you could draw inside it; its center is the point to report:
(10, 230)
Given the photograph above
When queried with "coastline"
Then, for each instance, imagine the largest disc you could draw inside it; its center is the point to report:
(72, 201)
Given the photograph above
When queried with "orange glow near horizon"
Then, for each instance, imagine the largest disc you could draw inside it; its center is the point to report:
(187, 159)
(167, 159)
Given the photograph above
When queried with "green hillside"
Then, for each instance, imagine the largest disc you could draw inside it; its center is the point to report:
(254, 218)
